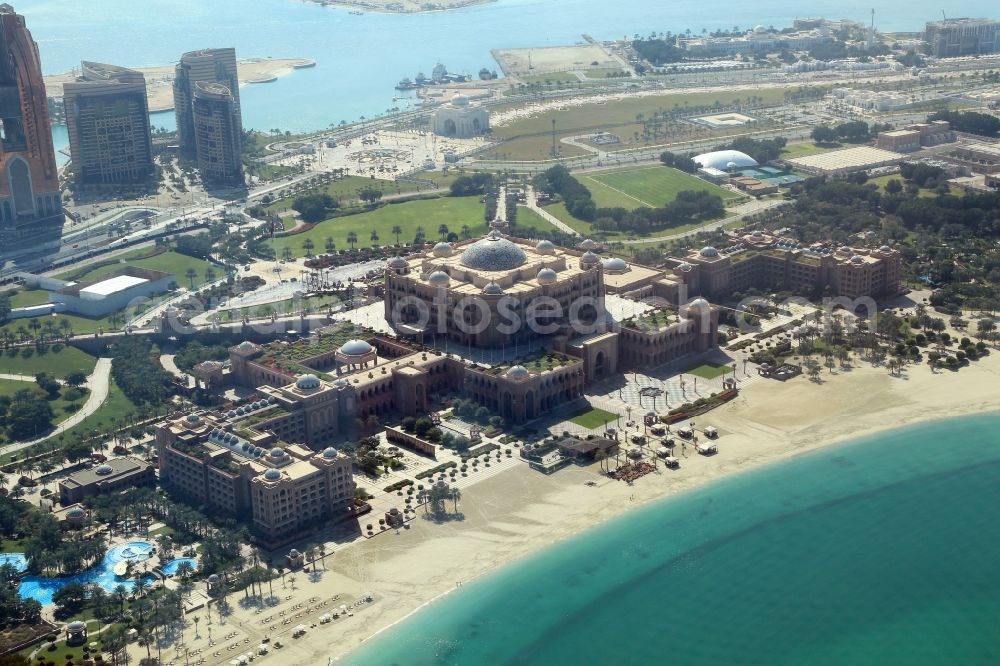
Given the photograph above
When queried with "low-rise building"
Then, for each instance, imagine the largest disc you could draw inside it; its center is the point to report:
(114, 475)
(97, 298)
(460, 119)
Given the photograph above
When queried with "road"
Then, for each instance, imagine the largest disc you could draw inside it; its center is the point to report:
(99, 384)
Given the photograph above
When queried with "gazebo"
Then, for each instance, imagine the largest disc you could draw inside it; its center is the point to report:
(355, 353)
(76, 632)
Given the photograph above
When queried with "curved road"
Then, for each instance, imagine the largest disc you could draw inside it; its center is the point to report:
(98, 383)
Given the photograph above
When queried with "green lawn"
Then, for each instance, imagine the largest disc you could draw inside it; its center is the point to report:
(602, 73)
(30, 361)
(455, 212)
(709, 370)
(881, 181)
(175, 263)
(593, 418)
(649, 186)
(551, 77)
(528, 219)
(62, 409)
(116, 406)
(22, 298)
(585, 229)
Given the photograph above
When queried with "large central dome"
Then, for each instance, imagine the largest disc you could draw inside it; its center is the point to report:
(493, 253)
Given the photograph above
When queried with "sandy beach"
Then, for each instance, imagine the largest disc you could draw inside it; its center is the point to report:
(159, 80)
(521, 511)
(400, 6)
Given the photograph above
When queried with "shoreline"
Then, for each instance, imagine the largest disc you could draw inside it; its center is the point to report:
(159, 79)
(415, 593)
(397, 6)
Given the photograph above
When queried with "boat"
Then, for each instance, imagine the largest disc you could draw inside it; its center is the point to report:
(406, 84)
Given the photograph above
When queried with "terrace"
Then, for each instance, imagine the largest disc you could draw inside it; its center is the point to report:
(538, 362)
(654, 320)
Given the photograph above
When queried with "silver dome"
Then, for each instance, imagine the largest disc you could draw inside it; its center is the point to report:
(493, 253)
(589, 258)
(546, 276)
(397, 262)
(492, 289)
(698, 306)
(517, 372)
(615, 265)
(330, 452)
(856, 259)
(587, 244)
(356, 348)
(307, 382)
(708, 251)
(277, 452)
(439, 279)
(442, 250)
(272, 474)
(545, 247)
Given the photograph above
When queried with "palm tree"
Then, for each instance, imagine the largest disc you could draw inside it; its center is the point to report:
(308, 246)
(322, 555)
(456, 495)
(397, 230)
(196, 619)
(352, 238)
(191, 274)
(374, 236)
(466, 232)
(330, 245)
(209, 274)
(443, 230)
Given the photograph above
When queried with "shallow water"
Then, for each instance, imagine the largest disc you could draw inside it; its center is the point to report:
(880, 551)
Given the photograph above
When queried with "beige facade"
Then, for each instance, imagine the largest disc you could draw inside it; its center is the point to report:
(218, 133)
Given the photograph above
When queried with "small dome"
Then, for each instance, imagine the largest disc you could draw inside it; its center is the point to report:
(708, 251)
(460, 100)
(885, 249)
(293, 553)
(615, 265)
(442, 250)
(231, 413)
(214, 578)
(356, 348)
(397, 262)
(698, 306)
(277, 452)
(546, 276)
(517, 372)
(246, 345)
(758, 234)
(587, 244)
(684, 266)
(330, 452)
(856, 259)
(439, 279)
(307, 382)
(75, 512)
(272, 474)
(492, 289)
(104, 470)
(545, 247)
(589, 258)
(193, 418)
(272, 400)
(844, 249)
(340, 383)
(76, 625)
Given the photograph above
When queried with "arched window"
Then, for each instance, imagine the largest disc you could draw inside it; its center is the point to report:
(20, 187)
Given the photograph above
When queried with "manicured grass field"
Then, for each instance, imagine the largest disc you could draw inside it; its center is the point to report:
(175, 263)
(881, 181)
(529, 220)
(77, 323)
(602, 73)
(803, 148)
(117, 406)
(22, 298)
(455, 212)
(46, 359)
(594, 418)
(552, 77)
(650, 186)
(709, 370)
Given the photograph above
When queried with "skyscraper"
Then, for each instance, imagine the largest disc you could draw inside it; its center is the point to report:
(108, 119)
(208, 66)
(30, 206)
(217, 134)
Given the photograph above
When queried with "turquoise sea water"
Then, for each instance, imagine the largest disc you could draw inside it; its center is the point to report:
(882, 551)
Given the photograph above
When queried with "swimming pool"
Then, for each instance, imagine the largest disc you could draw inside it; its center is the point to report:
(170, 568)
(17, 559)
(42, 589)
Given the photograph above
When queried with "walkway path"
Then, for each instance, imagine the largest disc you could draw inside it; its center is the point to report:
(98, 383)
(546, 215)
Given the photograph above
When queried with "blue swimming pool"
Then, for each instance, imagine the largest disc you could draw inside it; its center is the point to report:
(16, 559)
(170, 568)
(42, 589)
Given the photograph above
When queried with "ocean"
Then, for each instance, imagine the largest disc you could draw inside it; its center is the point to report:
(361, 57)
(879, 551)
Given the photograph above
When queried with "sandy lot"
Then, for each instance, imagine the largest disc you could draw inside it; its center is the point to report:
(515, 62)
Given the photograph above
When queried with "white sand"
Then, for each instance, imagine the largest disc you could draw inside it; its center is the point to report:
(520, 511)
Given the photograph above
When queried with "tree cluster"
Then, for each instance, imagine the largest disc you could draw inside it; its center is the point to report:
(315, 207)
(577, 198)
(681, 162)
(137, 371)
(658, 51)
(762, 150)
(971, 122)
(477, 183)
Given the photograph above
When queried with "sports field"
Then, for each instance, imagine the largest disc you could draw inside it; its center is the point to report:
(654, 186)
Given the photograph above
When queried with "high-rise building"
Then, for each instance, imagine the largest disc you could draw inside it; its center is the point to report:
(208, 66)
(30, 206)
(961, 37)
(217, 133)
(108, 119)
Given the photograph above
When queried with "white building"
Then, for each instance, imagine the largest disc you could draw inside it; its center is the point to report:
(461, 119)
(101, 297)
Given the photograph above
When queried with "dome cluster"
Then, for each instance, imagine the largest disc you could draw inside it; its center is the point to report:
(493, 253)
